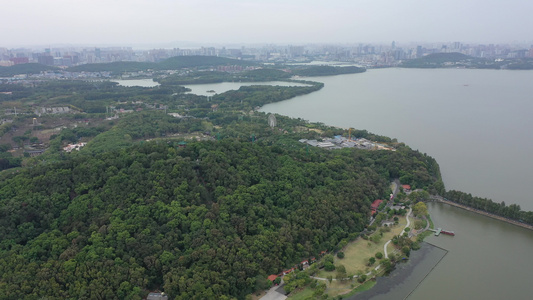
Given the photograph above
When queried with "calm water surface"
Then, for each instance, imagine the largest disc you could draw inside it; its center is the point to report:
(137, 82)
(487, 259)
(218, 88)
(476, 123)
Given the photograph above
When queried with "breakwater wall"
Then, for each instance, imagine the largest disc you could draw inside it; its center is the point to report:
(481, 212)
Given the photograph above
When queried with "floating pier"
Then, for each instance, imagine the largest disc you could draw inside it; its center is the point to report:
(438, 231)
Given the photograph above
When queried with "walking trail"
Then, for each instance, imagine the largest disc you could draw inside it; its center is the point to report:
(384, 249)
(388, 242)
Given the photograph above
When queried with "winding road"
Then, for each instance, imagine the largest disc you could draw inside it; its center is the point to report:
(388, 242)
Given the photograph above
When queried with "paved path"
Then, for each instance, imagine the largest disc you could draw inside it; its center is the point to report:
(388, 242)
(275, 293)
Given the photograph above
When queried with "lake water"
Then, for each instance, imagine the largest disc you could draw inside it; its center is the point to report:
(137, 82)
(202, 89)
(476, 123)
(486, 259)
(402, 281)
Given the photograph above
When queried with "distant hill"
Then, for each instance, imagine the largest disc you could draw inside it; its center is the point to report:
(24, 69)
(327, 70)
(266, 74)
(178, 62)
(201, 77)
(120, 66)
(522, 64)
(437, 60)
(173, 63)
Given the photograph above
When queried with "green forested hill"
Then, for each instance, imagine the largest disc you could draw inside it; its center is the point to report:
(172, 63)
(116, 67)
(210, 220)
(24, 69)
(327, 70)
(178, 62)
(437, 60)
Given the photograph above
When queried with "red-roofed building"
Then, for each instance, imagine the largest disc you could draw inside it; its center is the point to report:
(406, 187)
(288, 271)
(272, 277)
(305, 262)
(376, 204)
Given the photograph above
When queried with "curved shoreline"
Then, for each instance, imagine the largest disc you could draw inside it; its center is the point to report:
(406, 278)
(481, 212)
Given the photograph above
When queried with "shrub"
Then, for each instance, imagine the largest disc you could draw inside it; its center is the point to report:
(328, 266)
(361, 278)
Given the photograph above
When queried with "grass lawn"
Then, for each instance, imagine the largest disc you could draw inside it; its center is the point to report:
(336, 288)
(358, 252)
(355, 261)
(364, 287)
(301, 294)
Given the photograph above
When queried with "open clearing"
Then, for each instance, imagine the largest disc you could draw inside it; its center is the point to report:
(358, 252)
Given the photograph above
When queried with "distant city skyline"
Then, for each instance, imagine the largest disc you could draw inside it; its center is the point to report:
(164, 23)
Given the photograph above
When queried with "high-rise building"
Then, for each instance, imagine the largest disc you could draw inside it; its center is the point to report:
(46, 60)
(20, 60)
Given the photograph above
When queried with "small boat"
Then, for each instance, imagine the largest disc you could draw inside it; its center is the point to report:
(211, 91)
(447, 232)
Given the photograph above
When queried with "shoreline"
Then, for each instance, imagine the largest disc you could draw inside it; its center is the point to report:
(481, 212)
(406, 277)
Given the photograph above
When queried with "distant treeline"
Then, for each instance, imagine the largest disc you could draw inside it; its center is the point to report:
(173, 63)
(327, 70)
(512, 211)
(436, 60)
(459, 60)
(24, 69)
(201, 77)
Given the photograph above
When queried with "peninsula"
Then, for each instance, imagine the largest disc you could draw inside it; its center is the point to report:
(110, 191)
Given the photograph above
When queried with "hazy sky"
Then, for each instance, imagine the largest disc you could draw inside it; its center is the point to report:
(131, 22)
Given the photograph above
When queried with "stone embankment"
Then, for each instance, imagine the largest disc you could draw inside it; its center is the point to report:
(481, 212)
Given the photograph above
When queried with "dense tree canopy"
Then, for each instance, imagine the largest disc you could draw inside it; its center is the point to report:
(212, 219)
(204, 219)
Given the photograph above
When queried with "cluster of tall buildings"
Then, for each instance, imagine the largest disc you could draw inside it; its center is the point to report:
(365, 54)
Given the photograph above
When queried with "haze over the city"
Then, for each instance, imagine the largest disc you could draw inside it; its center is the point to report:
(159, 23)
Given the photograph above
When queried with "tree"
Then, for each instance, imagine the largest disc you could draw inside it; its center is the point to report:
(341, 272)
(320, 289)
(328, 266)
(420, 209)
(19, 139)
(419, 224)
(340, 254)
(371, 261)
(329, 258)
(406, 250)
(379, 255)
(376, 238)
